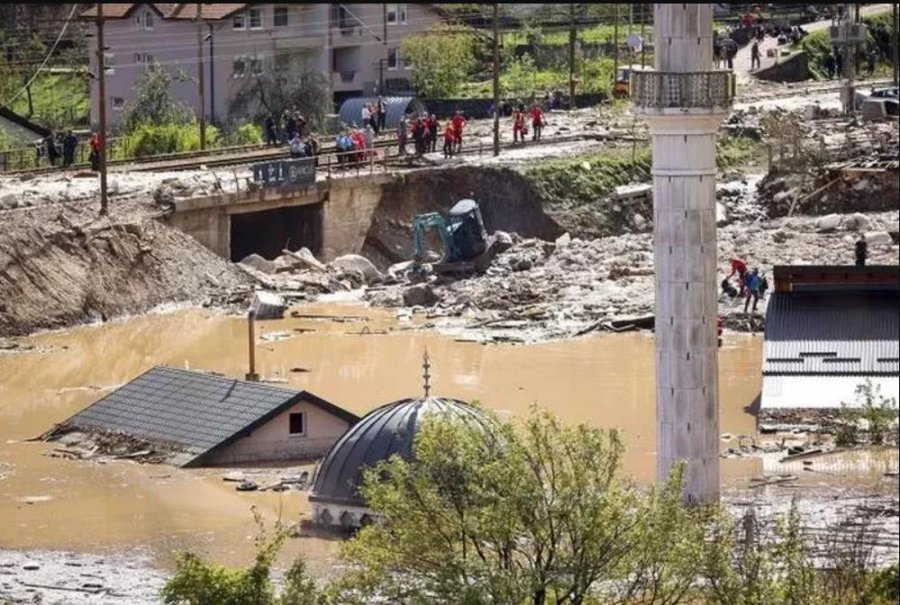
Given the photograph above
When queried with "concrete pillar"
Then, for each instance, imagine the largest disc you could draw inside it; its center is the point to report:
(684, 101)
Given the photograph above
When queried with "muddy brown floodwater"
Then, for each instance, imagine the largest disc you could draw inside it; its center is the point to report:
(52, 503)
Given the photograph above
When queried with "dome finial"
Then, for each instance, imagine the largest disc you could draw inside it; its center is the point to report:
(425, 374)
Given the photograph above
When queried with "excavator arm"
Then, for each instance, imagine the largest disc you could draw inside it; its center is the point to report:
(432, 220)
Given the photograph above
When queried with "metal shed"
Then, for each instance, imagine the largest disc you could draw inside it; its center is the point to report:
(351, 109)
(829, 329)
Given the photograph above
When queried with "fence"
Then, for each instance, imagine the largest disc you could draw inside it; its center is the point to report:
(660, 90)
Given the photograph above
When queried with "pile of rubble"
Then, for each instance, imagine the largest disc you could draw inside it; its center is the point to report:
(299, 276)
(536, 289)
(88, 443)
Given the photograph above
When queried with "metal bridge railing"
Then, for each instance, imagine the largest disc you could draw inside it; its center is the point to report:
(661, 90)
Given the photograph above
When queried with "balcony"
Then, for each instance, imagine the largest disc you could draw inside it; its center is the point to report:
(652, 90)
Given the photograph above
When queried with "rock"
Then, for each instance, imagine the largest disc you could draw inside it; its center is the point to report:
(741, 238)
(503, 241)
(268, 305)
(523, 264)
(639, 221)
(419, 295)
(828, 223)
(305, 256)
(563, 240)
(355, 262)
(781, 236)
(856, 221)
(860, 185)
(163, 195)
(879, 238)
(8, 202)
(259, 263)
(247, 486)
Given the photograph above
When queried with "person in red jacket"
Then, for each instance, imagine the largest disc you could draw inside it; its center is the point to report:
(740, 267)
(459, 123)
(537, 122)
(96, 144)
(518, 126)
(449, 140)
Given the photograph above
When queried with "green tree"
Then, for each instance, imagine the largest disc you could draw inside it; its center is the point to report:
(519, 514)
(198, 582)
(282, 85)
(442, 59)
(153, 100)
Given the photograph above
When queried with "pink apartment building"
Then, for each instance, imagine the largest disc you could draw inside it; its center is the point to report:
(357, 46)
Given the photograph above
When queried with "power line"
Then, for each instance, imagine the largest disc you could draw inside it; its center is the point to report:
(47, 58)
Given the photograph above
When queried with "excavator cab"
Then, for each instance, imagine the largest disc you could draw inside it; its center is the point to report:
(467, 230)
(467, 247)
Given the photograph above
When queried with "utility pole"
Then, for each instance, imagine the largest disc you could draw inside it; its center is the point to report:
(496, 79)
(895, 33)
(616, 45)
(101, 63)
(572, 34)
(643, 40)
(202, 112)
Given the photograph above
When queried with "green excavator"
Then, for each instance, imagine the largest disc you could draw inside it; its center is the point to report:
(467, 247)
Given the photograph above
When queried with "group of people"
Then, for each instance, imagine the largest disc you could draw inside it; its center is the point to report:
(354, 145)
(520, 127)
(833, 63)
(60, 150)
(374, 114)
(424, 131)
(752, 285)
(55, 147)
(294, 124)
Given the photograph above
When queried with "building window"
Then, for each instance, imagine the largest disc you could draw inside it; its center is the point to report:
(240, 67)
(255, 18)
(109, 63)
(118, 103)
(396, 13)
(143, 58)
(393, 58)
(280, 18)
(144, 20)
(297, 424)
(240, 21)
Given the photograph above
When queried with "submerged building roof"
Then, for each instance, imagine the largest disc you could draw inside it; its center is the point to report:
(195, 412)
(829, 329)
(383, 432)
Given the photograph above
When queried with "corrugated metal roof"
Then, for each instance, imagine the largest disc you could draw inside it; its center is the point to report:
(383, 432)
(838, 333)
(199, 412)
(395, 108)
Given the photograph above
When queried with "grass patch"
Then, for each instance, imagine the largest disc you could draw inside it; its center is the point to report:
(59, 100)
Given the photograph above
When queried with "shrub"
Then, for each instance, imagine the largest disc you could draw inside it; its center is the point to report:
(153, 139)
(246, 134)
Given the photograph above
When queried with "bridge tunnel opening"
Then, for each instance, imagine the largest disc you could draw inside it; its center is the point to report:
(268, 232)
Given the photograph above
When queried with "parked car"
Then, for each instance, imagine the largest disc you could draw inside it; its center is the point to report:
(880, 108)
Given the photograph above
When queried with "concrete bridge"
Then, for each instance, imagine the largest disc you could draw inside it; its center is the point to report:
(331, 217)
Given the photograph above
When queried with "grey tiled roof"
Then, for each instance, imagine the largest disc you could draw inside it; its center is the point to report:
(833, 333)
(196, 411)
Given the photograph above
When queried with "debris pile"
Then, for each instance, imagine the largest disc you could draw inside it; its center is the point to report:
(88, 443)
(538, 289)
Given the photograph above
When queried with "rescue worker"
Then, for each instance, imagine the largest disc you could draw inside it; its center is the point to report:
(402, 131)
(754, 56)
(751, 289)
(70, 144)
(449, 140)
(537, 121)
(52, 149)
(738, 267)
(459, 123)
(518, 126)
(433, 128)
(96, 144)
(271, 135)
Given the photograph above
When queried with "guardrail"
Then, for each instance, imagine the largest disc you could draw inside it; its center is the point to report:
(662, 90)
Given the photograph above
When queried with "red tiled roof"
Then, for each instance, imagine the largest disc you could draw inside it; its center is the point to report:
(168, 10)
(210, 11)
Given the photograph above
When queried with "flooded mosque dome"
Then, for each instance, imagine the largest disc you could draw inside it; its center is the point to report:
(386, 430)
